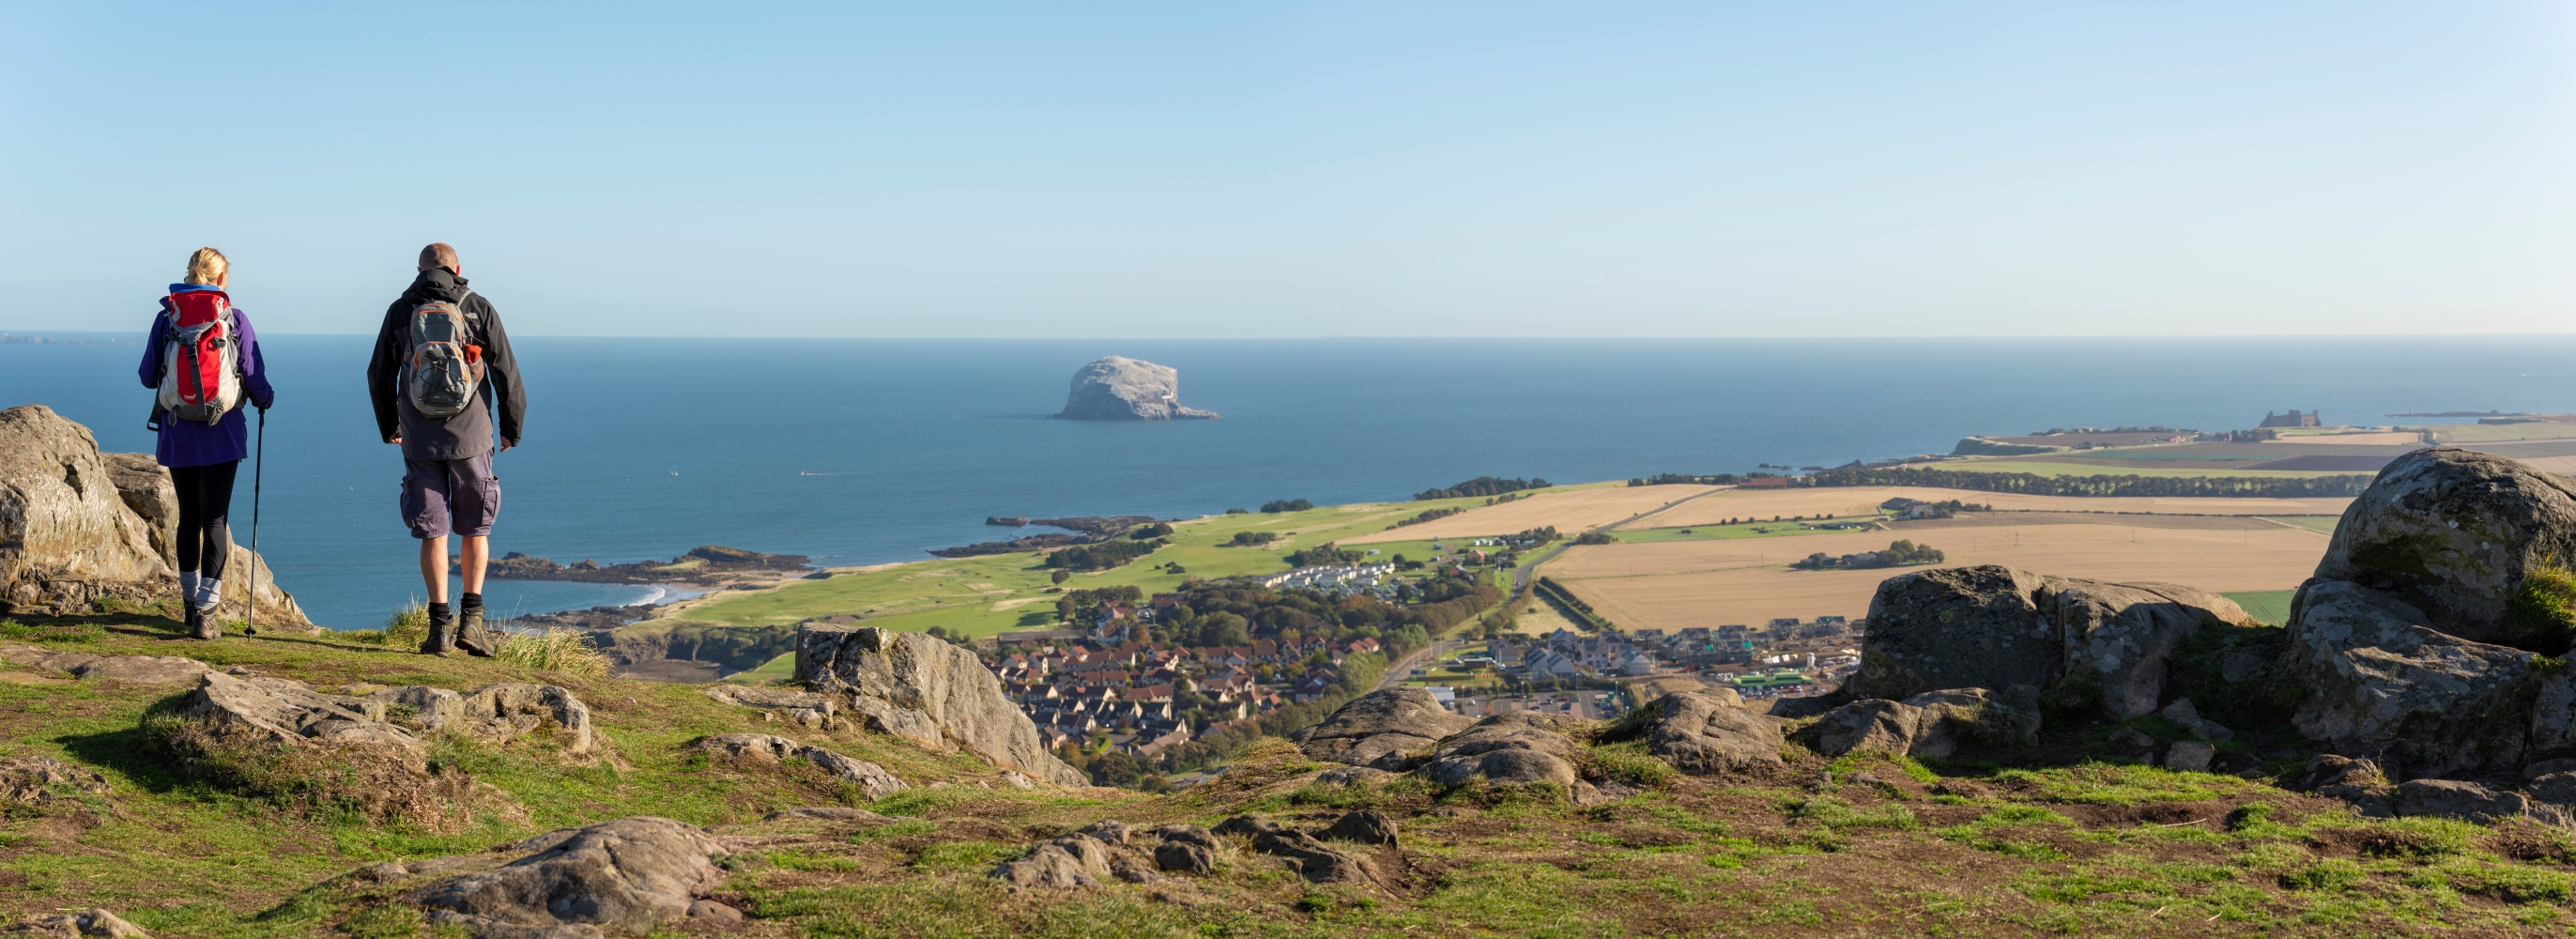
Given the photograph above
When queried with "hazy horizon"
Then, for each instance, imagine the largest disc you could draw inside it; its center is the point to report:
(1968, 170)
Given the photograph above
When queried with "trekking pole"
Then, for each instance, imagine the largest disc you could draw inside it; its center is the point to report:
(250, 626)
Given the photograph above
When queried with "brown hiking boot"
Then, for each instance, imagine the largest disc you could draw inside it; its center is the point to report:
(442, 637)
(470, 634)
(202, 624)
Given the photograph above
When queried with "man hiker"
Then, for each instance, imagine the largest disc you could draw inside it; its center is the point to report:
(442, 366)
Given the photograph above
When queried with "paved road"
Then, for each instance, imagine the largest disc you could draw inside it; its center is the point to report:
(1397, 672)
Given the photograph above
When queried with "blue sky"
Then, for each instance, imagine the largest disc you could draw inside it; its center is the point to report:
(1225, 170)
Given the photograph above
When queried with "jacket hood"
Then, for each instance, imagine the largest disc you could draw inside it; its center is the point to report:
(436, 283)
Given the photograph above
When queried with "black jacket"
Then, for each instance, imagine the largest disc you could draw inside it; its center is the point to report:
(469, 432)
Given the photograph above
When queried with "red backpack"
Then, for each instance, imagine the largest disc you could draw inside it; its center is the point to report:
(200, 357)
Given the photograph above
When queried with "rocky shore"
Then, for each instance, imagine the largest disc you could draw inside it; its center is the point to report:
(705, 566)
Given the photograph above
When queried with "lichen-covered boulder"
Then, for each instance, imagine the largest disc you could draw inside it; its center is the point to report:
(1380, 728)
(627, 876)
(1957, 627)
(1937, 724)
(2452, 533)
(871, 779)
(922, 688)
(1512, 748)
(1706, 731)
(2382, 681)
(2119, 636)
(62, 521)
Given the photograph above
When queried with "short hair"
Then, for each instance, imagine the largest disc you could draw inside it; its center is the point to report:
(438, 255)
(205, 266)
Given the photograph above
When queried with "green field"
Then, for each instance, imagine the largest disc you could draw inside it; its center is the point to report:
(2270, 606)
(2317, 523)
(997, 593)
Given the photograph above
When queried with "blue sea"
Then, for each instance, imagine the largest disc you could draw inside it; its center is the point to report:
(858, 451)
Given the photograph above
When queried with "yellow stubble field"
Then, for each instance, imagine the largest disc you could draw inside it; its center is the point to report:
(1669, 585)
(1864, 500)
(1571, 511)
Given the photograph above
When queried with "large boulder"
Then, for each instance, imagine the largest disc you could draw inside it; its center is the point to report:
(1118, 388)
(2452, 533)
(1936, 724)
(1514, 748)
(1705, 731)
(78, 525)
(1380, 728)
(625, 876)
(136, 669)
(920, 687)
(64, 528)
(2103, 645)
(2383, 682)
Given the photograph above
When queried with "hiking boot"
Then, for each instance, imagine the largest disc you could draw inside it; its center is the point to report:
(470, 634)
(202, 623)
(442, 637)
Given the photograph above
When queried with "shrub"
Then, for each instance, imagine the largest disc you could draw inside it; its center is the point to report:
(2542, 616)
(554, 650)
(1276, 506)
(1246, 538)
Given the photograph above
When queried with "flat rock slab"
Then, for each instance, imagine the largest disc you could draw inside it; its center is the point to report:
(871, 779)
(1710, 731)
(628, 876)
(138, 669)
(30, 780)
(91, 923)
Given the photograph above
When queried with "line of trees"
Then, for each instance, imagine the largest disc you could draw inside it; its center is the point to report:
(1276, 506)
(1323, 554)
(1428, 515)
(1686, 479)
(1101, 556)
(1574, 608)
(1481, 486)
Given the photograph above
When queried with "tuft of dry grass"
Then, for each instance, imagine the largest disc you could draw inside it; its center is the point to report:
(554, 650)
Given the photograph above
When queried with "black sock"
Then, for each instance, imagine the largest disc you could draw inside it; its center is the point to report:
(438, 613)
(473, 601)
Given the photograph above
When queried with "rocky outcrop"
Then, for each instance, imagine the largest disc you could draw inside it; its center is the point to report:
(92, 923)
(293, 713)
(1516, 748)
(2103, 645)
(2382, 682)
(2452, 533)
(921, 688)
(30, 780)
(626, 876)
(1118, 388)
(801, 708)
(78, 526)
(135, 669)
(1320, 862)
(1709, 731)
(1380, 729)
(1936, 724)
(871, 779)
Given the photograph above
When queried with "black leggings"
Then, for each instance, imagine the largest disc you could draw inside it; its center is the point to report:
(205, 497)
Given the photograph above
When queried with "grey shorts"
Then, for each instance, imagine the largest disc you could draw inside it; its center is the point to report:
(440, 496)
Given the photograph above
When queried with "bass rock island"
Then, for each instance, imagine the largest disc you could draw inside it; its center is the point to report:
(1118, 388)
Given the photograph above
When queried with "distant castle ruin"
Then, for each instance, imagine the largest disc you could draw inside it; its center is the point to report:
(2292, 419)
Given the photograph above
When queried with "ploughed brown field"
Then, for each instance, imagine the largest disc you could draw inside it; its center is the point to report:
(1864, 500)
(1571, 511)
(1673, 584)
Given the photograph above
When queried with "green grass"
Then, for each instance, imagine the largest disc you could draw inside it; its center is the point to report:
(2270, 606)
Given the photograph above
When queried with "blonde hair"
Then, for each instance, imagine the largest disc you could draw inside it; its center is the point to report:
(206, 266)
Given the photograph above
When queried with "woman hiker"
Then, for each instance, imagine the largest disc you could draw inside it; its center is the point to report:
(204, 361)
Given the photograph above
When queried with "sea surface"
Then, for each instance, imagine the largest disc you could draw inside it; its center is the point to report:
(866, 451)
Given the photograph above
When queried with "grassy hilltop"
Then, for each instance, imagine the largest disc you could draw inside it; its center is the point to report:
(1859, 846)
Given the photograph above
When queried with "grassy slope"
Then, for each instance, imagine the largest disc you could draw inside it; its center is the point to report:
(2270, 606)
(1814, 849)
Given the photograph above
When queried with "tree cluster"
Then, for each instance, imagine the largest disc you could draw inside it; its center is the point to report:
(1101, 556)
(1323, 554)
(1481, 486)
(1276, 506)
(1246, 539)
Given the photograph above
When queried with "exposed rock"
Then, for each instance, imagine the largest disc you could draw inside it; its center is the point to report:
(2549, 767)
(2240, 667)
(922, 688)
(1321, 863)
(1937, 724)
(801, 708)
(287, 712)
(1364, 826)
(1109, 832)
(2185, 715)
(714, 914)
(2191, 756)
(2451, 533)
(1064, 863)
(1512, 748)
(1118, 388)
(516, 708)
(144, 486)
(869, 777)
(2118, 636)
(1379, 728)
(1355, 776)
(137, 669)
(1187, 849)
(1705, 731)
(2357, 781)
(30, 780)
(2129, 742)
(2381, 680)
(92, 923)
(1017, 780)
(629, 875)
(2557, 788)
(2447, 798)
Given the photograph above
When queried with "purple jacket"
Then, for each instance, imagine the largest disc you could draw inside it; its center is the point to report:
(188, 443)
